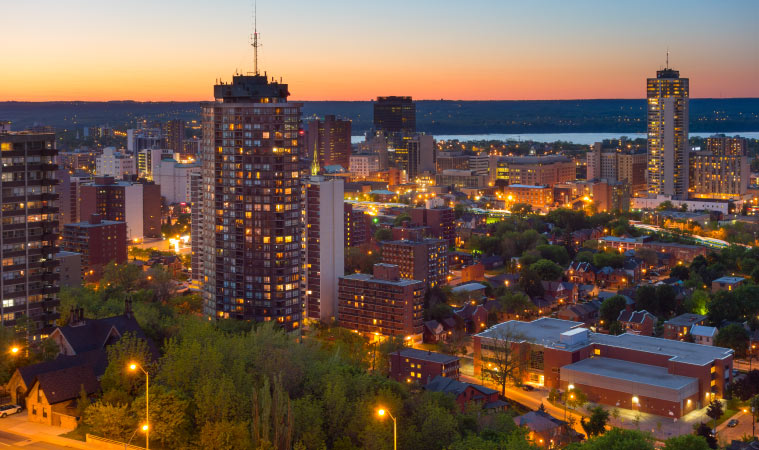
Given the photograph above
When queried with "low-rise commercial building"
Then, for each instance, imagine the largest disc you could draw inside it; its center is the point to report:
(98, 241)
(659, 376)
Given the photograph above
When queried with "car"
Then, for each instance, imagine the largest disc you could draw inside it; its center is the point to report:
(7, 410)
(732, 423)
(527, 387)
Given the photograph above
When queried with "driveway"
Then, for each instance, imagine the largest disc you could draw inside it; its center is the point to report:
(16, 432)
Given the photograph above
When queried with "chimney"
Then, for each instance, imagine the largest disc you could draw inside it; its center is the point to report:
(128, 307)
(72, 316)
(96, 219)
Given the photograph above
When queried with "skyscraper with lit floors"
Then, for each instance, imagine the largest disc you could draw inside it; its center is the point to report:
(250, 221)
(667, 98)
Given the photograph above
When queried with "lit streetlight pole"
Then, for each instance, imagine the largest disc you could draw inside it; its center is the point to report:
(381, 412)
(143, 428)
(146, 427)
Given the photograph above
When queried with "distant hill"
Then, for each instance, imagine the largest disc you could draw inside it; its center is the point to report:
(433, 116)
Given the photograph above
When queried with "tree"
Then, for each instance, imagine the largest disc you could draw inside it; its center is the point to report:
(649, 256)
(616, 328)
(110, 421)
(576, 398)
(272, 423)
(361, 259)
(225, 436)
(555, 253)
(584, 256)
(617, 439)
(733, 336)
(614, 260)
(705, 432)
(515, 302)
(169, 416)
(503, 359)
(126, 350)
(530, 282)
(610, 309)
(715, 410)
(547, 270)
(383, 234)
(686, 442)
(680, 272)
(83, 402)
(596, 424)
(696, 303)
(404, 217)
(521, 209)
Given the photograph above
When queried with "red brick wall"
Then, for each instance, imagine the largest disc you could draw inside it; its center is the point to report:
(623, 400)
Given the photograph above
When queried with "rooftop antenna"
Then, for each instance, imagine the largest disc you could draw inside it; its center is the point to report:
(667, 58)
(254, 39)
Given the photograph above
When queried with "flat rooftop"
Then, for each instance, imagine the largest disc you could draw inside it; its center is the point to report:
(678, 351)
(370, 278)
(425, 355)
(629, 372)
(547, 332)
(729, 280)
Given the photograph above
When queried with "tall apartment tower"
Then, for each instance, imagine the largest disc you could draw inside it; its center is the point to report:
(250, 224)
(325, 246)
(668, 134)
(196, 201)
(173, 130)
(28, 231)
(331, 138)
(395, 115)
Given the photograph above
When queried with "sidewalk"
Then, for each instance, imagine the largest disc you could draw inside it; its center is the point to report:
(19, 424)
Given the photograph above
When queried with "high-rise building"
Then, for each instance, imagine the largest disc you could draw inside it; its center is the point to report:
(174, 180)
(668, 150)
(173, 130)
(532, 170)
(395, 114)
(149, 159)
(721, 171)
(29, 229)
(439, 220)
(416, 155)
(425, 260)
(113, 163)
(382, 304)
(142, 138)
(331, 138)
(137, 204)
(324, 245)
(612, 160)
(357, 229)
(98, 241)
(70, 194)
(196, 212)
(362, 165)
(250, 217)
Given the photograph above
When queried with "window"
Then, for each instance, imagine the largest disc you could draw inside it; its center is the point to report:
(597, 352)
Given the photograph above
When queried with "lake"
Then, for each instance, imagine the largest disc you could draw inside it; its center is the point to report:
(576, 138)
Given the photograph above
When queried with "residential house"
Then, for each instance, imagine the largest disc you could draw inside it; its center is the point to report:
(582, 312)
(474, 317)
(434, 332)
(53, 396)
(581, 272)
(467, 393)
(703, 335)
(726, 283)
(680, 327)
(637, 322)
(421, 366)
(563, 291)
(546, 431)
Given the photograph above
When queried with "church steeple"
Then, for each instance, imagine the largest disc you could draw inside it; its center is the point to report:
(315, 163)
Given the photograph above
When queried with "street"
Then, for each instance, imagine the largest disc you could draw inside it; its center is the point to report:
(14, 441)
(727, 435)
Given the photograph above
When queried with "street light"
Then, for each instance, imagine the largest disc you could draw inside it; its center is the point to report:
(143, 428)
(146, 428)
(381, 412)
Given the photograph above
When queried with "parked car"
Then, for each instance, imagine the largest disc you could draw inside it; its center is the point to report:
(732, 423)
(527, 387)
(7, 410)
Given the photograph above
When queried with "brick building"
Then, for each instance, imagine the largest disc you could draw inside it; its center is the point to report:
(423, 260)
(421, 366)
(356, 225)
(98, 241)
(382, 303)
(637, 322)
(653, 375)
(137, 204)
(439, 220)
(679, 327)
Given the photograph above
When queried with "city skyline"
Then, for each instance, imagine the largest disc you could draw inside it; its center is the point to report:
(340, 50)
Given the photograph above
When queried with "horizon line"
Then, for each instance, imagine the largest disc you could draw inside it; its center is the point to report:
(374, 99)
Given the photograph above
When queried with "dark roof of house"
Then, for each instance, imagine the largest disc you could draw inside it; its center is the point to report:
(467, 311)
(448, 323)
(92, 334)
(635, 316)
(66, 384)
(97, 359)
(685, 320)
(740, 445)
(538, 421)
(425, 355)
(455, 387)
(432, 326)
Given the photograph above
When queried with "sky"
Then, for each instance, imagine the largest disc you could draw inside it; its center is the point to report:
(164, 50)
